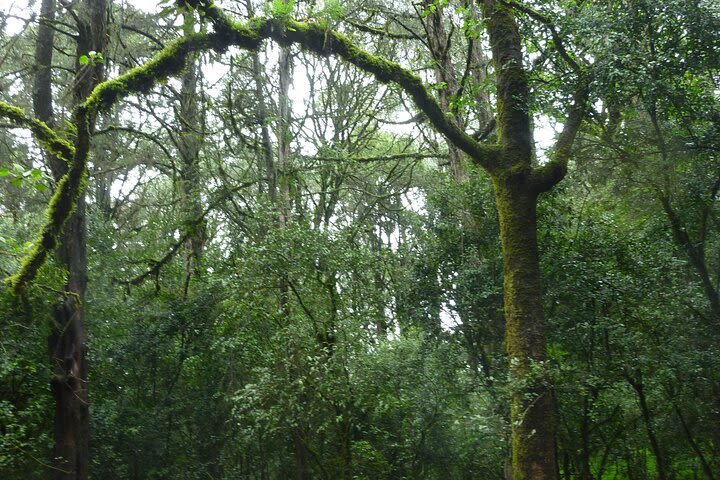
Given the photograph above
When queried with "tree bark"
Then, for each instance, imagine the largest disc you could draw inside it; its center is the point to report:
(42, 82)
(70, 455)
(189, 143)
(531, 414)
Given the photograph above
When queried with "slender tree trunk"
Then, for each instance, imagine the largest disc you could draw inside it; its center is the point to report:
(189, 143)
(532, 415)
(444, 75)
(695, 250)
(302, 455)
(42, 83)
(67, 341)
(660, 460)
(517, 184)
(585, 472)
(381, 323)
(284, 136)
(706, 468)
(267, 164)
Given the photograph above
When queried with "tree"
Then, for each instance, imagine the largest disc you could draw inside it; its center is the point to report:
(308, 309)
(67, 343)
(516, 181)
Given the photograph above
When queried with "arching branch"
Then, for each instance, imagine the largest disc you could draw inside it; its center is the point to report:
(172, 59)
(316, 38)
(165, 63)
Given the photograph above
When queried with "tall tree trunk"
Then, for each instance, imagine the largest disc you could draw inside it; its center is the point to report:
(282, 198)
(189, 143)
(532, 415)
(284, 136)
(70, 455)
(517, 184)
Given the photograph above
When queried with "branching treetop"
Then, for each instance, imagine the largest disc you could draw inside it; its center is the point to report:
(311, 36)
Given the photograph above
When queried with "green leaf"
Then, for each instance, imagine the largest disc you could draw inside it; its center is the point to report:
(282, 8)
(83, 60)
(17, 181)
(40, 187)
(4, 172)
(35, 174)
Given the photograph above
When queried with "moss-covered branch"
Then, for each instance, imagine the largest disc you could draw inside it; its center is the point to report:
(172, 59)
(45, 135)
(547, 176)
(169, 61)
(316, 38)
(61, 206)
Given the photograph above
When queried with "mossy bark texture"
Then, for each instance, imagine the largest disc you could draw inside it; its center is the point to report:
(517, 182)
(533, 434)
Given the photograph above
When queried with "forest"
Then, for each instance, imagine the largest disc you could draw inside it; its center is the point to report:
(360, 239)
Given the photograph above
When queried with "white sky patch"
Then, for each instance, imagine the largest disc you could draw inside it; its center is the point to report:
(18, 10)
(449, 318)
(545, 132)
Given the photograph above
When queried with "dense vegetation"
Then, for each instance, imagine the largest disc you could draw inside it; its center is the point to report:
(440, 239)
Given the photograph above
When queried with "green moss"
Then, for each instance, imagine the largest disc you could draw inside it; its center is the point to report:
(62, 202)
(166, 63)
(46, 136)
(172, 59)
(532, 406)
(61, 206)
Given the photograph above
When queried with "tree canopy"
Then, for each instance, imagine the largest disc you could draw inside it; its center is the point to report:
(405, 240)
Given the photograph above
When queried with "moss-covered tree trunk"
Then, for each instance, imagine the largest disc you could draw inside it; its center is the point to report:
(66, 346)
(533, 434)
(71, 431)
